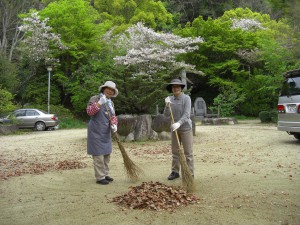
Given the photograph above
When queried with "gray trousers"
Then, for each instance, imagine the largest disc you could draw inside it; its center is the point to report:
(101, 166)
(186, 139)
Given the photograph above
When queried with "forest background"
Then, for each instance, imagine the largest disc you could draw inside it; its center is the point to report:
(234, 52)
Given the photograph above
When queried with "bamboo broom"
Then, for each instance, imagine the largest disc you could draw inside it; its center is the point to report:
(187, 177)
(132, 170)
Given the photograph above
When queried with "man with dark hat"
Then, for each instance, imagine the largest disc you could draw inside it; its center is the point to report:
(181, 109)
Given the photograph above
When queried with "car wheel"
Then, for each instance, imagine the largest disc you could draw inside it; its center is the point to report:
(40, 126)
(297, 136)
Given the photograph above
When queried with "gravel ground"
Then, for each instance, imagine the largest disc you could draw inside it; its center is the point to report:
(246, 173)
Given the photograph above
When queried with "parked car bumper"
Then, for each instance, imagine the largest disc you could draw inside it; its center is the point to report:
(289, 127)
(51, 123)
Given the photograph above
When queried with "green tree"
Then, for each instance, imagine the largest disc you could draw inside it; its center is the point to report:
(88, 77)
(261, 94)
(37, 49)
(6, 102)
(8, 74)
(275, 55)
(217, 56)
(36, 91)
(120, 12)
(77, 23)
(190, 10)
(239, 46)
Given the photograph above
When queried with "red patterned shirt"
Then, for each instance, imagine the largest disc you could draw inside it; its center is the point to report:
(114, 120)
(92, 109)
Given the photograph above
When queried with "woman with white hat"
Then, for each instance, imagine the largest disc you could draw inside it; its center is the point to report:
(181, 109)
(102, 123)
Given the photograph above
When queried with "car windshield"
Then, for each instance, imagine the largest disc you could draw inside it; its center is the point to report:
(291, 86)
(19, 113)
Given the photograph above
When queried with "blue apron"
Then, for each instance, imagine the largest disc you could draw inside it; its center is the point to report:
(99, 138)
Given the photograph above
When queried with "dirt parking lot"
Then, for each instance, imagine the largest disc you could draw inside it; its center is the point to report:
(247, 173)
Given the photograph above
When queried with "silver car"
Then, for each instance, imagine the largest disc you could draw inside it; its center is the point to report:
(33, 118)
(289, 104)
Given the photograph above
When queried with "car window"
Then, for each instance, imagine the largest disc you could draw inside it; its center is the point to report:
(43, 111)
(291, 86)
(19, 113)
(32, 113)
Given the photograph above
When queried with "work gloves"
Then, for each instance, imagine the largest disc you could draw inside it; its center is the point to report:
(102, 100)
(175, 126)
(114, 128)
(168, 100)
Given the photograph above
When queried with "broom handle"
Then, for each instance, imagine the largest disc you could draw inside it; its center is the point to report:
(107, 110)
(187, 176)
(115, 134)
(173, 122)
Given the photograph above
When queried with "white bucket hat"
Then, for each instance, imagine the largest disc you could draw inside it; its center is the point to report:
(109, 84)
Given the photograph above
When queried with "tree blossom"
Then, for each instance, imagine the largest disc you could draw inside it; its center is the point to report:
(39, 38)
(151, 51)
(250, 56)
(246, 24)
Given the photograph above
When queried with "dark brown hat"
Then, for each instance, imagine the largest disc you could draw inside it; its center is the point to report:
(174, 82)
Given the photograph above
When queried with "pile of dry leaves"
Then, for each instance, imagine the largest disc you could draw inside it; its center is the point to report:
(19, 167)
(155, 196)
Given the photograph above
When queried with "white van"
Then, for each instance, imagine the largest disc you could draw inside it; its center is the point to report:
(289, 104)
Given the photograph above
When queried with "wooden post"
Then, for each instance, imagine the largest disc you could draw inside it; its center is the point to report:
(183, 78)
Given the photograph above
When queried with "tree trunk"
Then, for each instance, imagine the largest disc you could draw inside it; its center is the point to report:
(9, 32)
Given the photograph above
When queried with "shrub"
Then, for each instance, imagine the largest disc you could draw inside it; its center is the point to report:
(6, 104)
(274, 116)
(264, 117)
(268, 116)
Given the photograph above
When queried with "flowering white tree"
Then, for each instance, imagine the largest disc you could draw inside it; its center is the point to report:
(39, 38)
(151, 52)
(250, 56)
(246, 24)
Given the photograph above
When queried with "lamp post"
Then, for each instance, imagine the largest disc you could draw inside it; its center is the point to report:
(49, 69)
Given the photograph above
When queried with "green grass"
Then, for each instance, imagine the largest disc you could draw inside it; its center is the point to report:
(18, 132)
(72, 123)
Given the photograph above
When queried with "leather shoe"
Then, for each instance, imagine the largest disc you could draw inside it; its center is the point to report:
(173, 176)
(108, 178)
(103, 182)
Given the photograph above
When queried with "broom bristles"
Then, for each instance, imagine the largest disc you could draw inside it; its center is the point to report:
(187, 177)
(132, 170)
